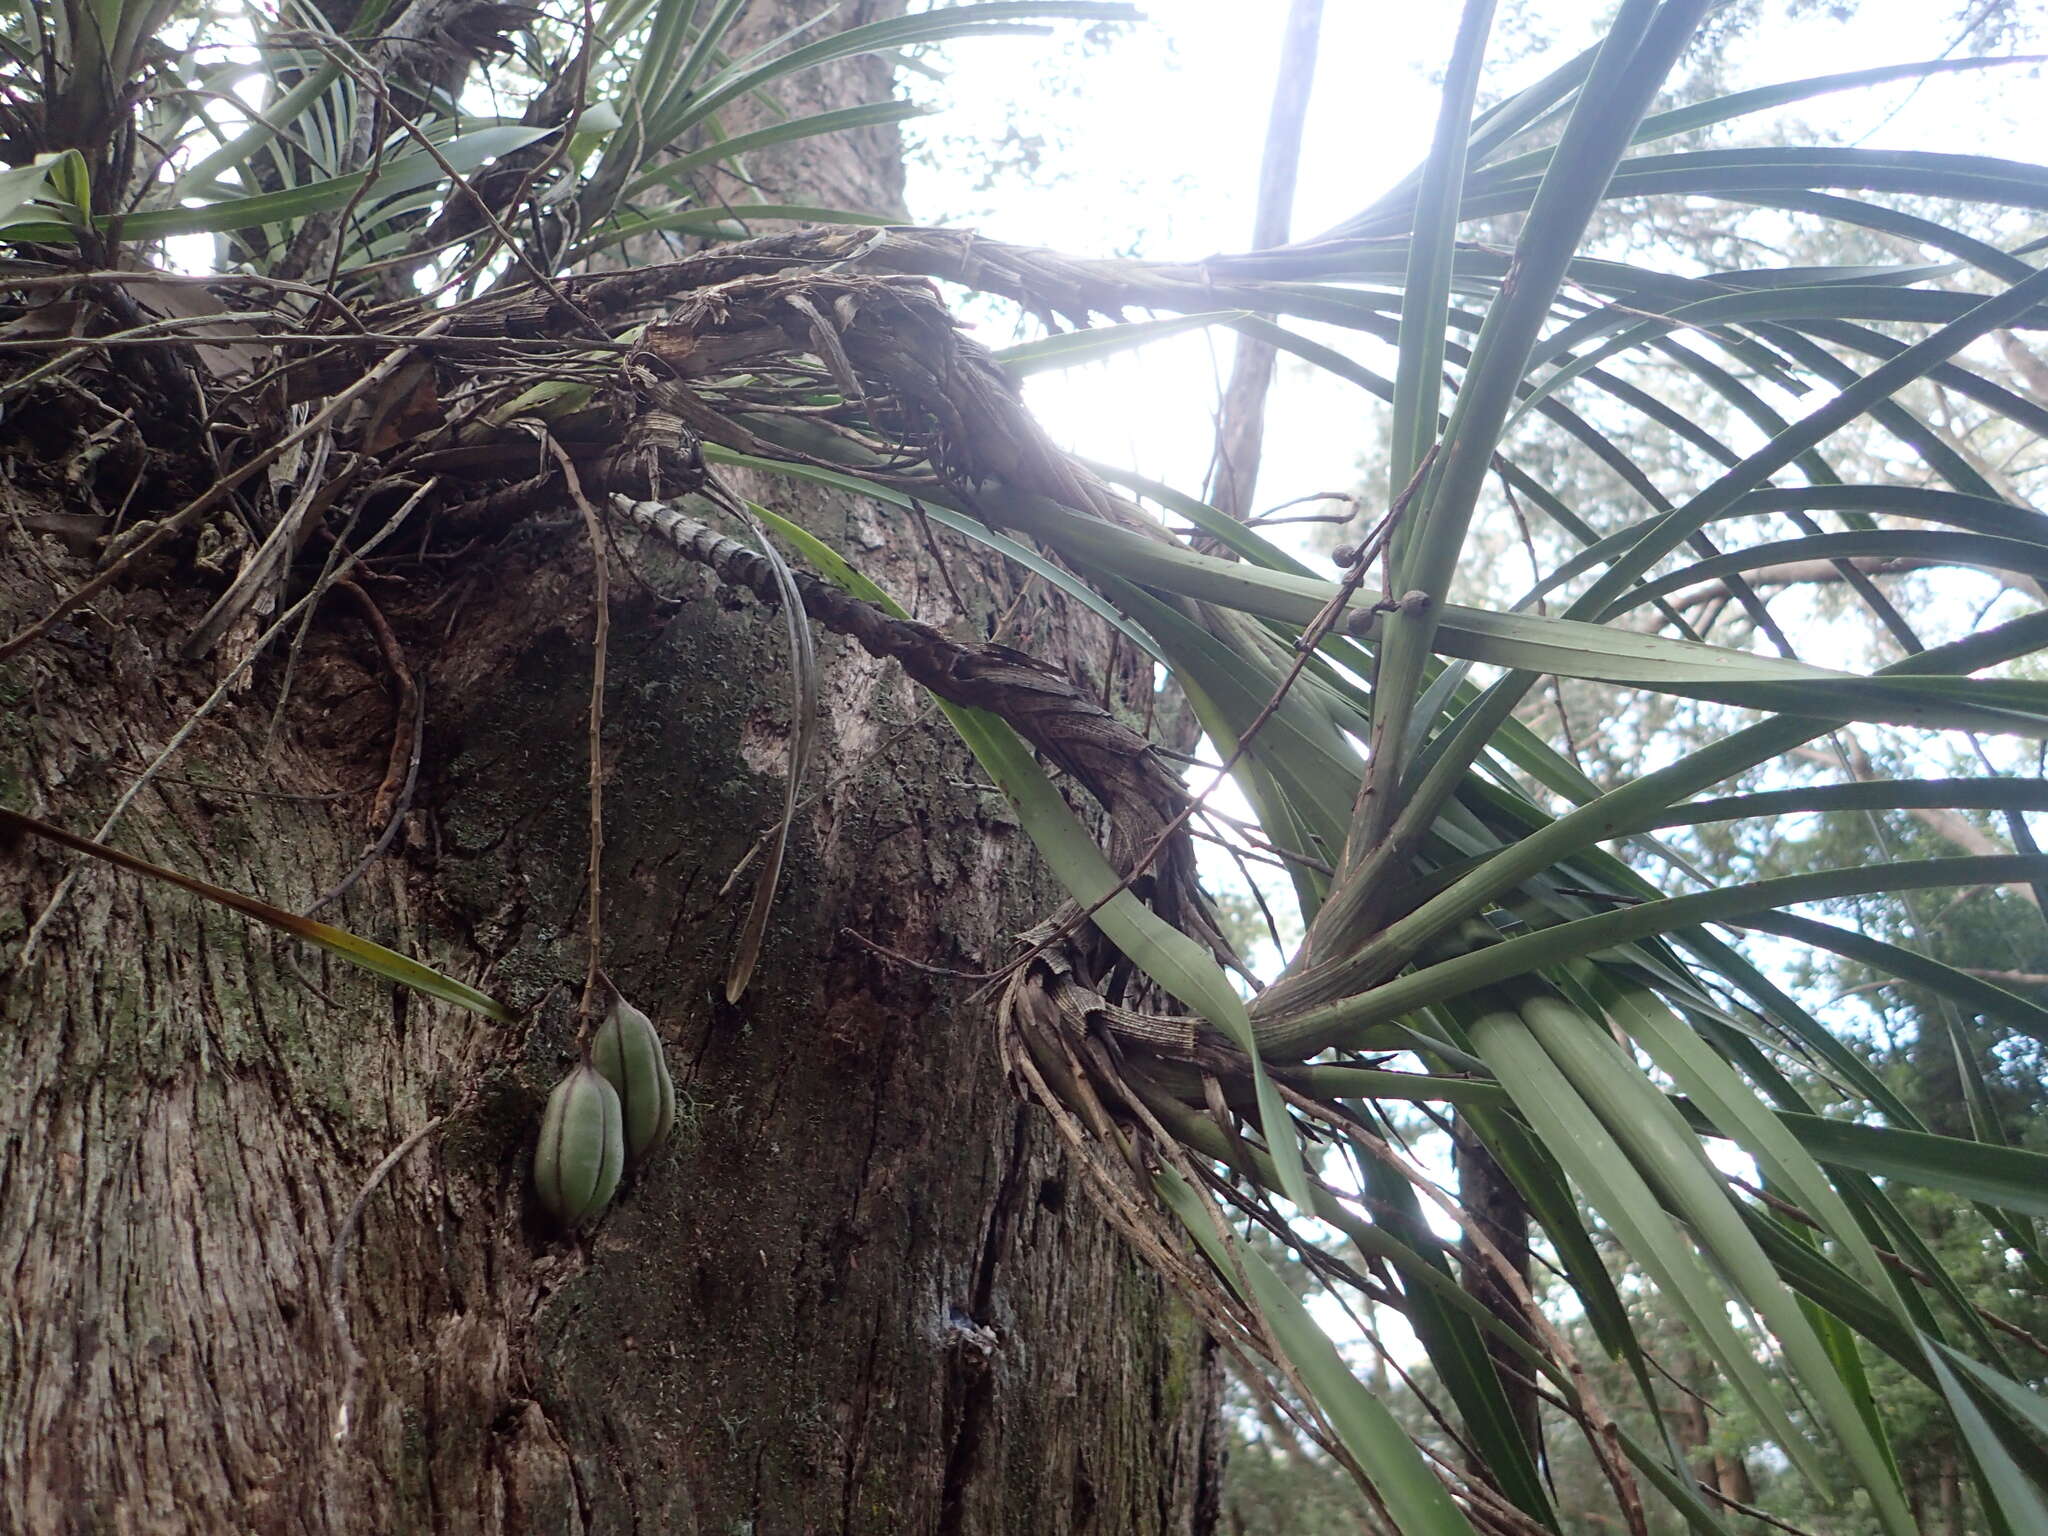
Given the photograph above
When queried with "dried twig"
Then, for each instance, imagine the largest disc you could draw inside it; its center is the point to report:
(189, 515)
(593, 527)
(337, 1277)
(206, 706)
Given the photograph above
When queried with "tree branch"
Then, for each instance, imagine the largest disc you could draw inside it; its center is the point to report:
(1241, 421)
(1950, 825)
(1794, 573)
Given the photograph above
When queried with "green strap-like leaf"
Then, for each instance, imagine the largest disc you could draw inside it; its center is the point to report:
(353, 948)
(1418, 1502)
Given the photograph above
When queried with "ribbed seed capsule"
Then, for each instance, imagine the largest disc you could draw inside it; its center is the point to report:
(627, 1050)
(582, 1148)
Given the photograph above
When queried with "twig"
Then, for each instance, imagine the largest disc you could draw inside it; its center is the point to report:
(931, 544)
(401, 802)
(82, 346)
(337, 545)
(372, 80)
(337, 1275)
(1241, 420)
(897, 957)
(262, 572)
(593, 525)
(2011, 978)
(579, 97)
(161, 333)
(164, 331)
(408, 698)
(1272, 513)
(155, 279)
(999, 632)
(260, 794)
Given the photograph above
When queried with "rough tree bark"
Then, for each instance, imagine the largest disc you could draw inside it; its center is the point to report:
(858, 1292)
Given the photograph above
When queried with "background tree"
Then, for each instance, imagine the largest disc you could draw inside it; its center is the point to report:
(1727, 1447)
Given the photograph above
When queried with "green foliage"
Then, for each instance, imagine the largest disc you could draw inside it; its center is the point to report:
(1378, 971)
(345, 160)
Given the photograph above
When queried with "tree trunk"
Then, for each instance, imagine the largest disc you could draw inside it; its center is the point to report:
(1499, 1213)
(1691, 1425)
(1952, 1518)
(1731, 1475)
(857, 1292)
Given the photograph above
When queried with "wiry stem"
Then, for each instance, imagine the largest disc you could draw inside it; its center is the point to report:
(587, 1006)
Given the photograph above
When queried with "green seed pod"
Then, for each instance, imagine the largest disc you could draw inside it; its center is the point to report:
(582, 1148)
(628, 1052)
